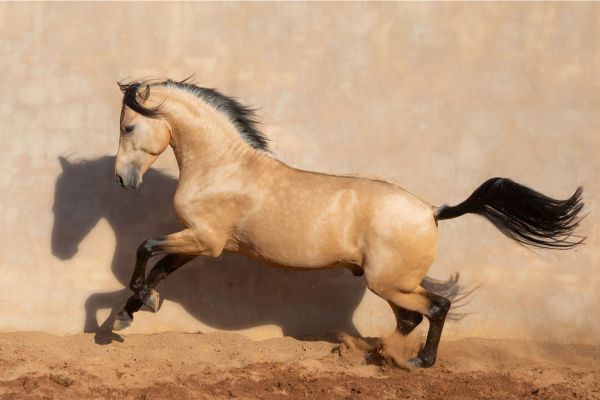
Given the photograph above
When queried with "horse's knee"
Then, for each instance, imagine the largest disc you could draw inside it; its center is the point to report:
(148, 248)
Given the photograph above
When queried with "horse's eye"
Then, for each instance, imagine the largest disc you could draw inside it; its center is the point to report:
(129, 128)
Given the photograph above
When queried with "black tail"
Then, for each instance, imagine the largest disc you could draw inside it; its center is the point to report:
(523, 214)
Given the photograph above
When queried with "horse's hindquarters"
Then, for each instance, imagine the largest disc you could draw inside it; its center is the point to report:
(401, 245)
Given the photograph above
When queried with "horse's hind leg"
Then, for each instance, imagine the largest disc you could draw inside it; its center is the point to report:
(406, 320)
(148, 296)
(432, 306)
(396, 289)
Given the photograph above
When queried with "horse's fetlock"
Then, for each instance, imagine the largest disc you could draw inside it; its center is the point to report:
(143, 291)
(137, 285)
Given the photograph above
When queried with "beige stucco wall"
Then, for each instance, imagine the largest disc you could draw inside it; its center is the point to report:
(435, 97)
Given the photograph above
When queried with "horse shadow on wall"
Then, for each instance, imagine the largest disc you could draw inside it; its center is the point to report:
(232, 292)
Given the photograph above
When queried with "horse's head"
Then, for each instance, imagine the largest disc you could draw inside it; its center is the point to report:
(78, 203)
(145, 134)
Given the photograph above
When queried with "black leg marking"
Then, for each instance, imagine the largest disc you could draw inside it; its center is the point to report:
(437, 315)
(161, 270)
(406, 320)
(134, 303)
(138, 282)
(146, 250)
(165, 267)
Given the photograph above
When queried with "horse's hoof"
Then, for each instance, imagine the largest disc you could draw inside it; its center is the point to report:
(420, 362)
(151, 299)
(122, 321)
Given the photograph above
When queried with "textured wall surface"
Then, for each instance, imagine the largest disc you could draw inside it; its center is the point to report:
(434, 97)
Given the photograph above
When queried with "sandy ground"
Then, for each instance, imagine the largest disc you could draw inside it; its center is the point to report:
(222, 365)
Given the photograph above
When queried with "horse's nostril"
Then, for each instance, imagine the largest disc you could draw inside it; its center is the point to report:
(120, 180)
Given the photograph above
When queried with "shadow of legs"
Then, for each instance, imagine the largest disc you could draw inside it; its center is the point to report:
(99, 301)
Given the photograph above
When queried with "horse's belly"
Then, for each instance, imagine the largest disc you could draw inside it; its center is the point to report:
(301, 245)
(301, 254)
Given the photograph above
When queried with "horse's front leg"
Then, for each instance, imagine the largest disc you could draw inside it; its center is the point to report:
(161, 270)
(180, 247)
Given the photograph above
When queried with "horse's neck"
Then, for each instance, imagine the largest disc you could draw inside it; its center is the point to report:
(206, 141)
(209, 150)
(207, 145)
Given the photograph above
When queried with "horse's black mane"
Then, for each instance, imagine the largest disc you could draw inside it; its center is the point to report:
(241, 116)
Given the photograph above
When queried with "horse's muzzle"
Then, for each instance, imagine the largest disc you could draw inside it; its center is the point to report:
(129, 179)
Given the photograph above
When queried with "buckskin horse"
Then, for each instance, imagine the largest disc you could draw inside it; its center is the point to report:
(234, 195)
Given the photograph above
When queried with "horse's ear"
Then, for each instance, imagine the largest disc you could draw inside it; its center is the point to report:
(121, 87)
(64, 163)
(146, 93)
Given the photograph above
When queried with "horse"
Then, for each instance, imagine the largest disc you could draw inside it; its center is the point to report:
(234, 195)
